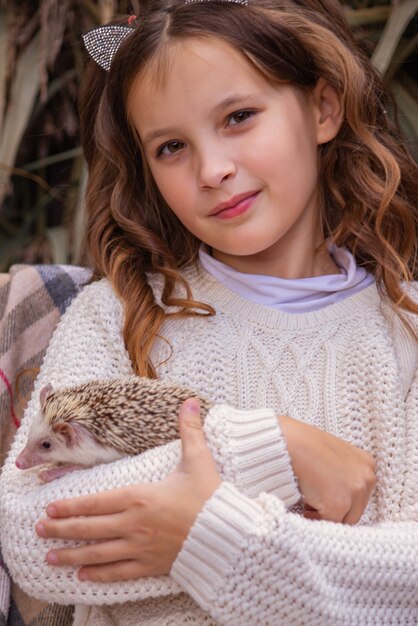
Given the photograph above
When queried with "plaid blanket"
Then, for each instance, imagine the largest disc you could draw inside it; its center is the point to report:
(32, 300)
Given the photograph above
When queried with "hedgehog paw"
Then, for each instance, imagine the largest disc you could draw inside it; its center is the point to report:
(51, 474)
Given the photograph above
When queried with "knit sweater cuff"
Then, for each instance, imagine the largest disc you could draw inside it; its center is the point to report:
(215, 543)
(252, 450)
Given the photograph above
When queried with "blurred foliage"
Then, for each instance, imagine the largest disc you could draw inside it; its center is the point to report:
(42, 172)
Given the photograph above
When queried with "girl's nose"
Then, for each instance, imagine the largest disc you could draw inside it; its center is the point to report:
(214, 169)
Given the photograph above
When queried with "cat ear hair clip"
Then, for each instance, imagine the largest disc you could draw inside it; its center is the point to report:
(103, 42)
(243, 2)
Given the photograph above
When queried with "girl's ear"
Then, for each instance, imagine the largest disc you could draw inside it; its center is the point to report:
(328, 111)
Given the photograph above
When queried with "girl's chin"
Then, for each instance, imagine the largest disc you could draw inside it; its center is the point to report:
(241, 250)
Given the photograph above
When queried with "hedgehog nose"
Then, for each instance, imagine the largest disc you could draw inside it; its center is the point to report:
(21, 462)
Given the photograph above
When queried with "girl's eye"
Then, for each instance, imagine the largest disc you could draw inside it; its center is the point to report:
(170, 148)
(239, 117)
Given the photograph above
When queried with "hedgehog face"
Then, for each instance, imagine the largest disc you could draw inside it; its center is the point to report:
(43, 446)
(63, 443)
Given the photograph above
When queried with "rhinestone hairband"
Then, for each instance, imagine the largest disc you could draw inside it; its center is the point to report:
(103, 42)
(230, 1)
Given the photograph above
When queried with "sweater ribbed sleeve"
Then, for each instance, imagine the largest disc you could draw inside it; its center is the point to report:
(250, 562)
(247, 445)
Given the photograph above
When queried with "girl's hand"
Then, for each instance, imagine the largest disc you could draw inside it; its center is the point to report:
(335, 478)
(139, 529)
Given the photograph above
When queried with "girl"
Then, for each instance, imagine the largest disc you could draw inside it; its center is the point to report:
(252, 216)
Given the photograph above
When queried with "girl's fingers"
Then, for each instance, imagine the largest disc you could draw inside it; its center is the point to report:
(190, 427)
(335, 511)
(311, 515)
(355, 513)
(343, 516)
(104, 503)
(123, 570)
(93, 554)
(87, 528)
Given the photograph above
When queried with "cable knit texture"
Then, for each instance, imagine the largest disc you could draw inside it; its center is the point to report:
(349, 368)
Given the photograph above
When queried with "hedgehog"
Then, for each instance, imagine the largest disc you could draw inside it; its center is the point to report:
(102, 421)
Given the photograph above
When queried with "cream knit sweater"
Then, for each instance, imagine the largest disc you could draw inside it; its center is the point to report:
(349, 368)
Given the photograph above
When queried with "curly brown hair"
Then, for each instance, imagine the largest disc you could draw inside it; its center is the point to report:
(367, 177)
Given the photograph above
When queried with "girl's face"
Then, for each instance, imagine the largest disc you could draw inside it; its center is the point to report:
(235, 158)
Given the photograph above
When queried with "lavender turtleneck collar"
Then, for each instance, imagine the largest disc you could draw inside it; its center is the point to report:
(293, 295)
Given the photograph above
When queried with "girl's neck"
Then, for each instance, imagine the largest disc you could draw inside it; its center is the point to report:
(313, 260)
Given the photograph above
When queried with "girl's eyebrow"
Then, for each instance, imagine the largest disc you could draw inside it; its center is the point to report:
(155, 134)
(232, 100)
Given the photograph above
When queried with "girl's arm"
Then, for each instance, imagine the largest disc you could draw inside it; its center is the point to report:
(88, 345)
(248, 446)
(247, 561)
(260, 564)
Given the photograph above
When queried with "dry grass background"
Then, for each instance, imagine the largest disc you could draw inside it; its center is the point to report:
(42, 172)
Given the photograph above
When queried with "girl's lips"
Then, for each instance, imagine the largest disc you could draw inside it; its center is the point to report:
(238, 208)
